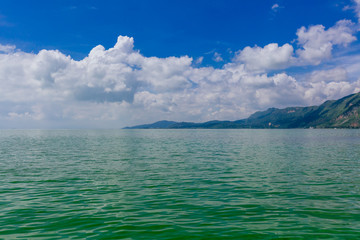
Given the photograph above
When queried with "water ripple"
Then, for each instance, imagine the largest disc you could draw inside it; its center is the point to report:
(187, 184)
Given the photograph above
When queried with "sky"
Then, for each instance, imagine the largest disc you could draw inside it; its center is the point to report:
(111, 64)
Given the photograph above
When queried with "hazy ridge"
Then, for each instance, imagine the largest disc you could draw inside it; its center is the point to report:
(341, 113)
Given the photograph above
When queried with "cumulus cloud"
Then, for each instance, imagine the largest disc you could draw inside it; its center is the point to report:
(332, 75)
(317, 43)
(269, 57)
(119, 86)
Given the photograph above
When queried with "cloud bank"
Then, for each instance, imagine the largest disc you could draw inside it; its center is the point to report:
(115, 87)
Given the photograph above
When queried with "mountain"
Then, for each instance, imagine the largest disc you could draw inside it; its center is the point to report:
(342, 113)
(160, 124)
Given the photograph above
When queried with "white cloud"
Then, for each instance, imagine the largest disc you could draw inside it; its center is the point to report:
(119, 86)
(350, 63)
(317, 43)
(333, 75)
(217, 57)
(275, 6)
(199, 60)
(316, 92)
(269, 57)
(7, 48)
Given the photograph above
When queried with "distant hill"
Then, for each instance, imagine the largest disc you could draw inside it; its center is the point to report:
(160, 124)
(342, 113)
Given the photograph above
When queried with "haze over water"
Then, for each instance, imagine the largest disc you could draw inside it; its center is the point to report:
(179, 184)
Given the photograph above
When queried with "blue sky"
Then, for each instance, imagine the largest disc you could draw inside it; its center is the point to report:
(162, 28)
(176, 60)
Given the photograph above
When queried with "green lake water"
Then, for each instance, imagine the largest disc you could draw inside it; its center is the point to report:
(180, 184)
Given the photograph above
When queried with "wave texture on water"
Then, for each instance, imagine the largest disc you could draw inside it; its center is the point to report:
(180, 184)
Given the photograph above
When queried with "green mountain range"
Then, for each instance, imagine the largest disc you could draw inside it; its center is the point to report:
(342, 113)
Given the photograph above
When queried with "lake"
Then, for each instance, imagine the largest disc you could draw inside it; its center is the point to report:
(180, 184)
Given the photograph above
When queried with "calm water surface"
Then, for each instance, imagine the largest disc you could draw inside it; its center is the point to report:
(179, 184)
